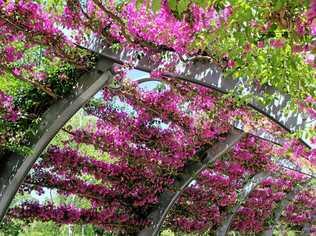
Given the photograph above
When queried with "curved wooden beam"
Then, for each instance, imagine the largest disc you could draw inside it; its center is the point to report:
(307, 227)
(16, 168)
(261, 134)
(209, 76)
(223, 229)
(168, 198)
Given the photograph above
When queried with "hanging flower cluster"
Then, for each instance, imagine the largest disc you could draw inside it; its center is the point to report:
(302, 209)
(311, 14)
(259, 210)
(207, 202)
(26, 30)
(7, 110)
(104, 218)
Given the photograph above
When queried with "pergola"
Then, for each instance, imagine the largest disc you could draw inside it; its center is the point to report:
(14, 168)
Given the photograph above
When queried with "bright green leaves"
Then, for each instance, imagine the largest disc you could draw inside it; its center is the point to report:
(279, 4)
(172, 4)
(56, 6)
(203, 3)
(178, 6)
(279, 68)
(217, 4)
(139, 3)
(150, 5)
(156, 5)
(182, 6)
(258, 21)
(11, 85)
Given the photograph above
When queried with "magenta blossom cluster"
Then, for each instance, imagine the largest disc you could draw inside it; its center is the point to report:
(311, 17)
(303, 209)
(66, 214)
(7, 109)
(205, 204)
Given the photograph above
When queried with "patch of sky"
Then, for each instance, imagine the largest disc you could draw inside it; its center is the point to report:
(137, 74)
(122, 106)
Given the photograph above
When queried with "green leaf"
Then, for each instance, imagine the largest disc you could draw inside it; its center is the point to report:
(172, 4)
(139, 3)
(202, 3)
(156, 5)
(182, 6)
(278, 4)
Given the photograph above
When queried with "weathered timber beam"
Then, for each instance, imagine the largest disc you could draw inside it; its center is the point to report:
(259, 133)
(168, 198)
(223, 229)
(206, 74)
(307, 229)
